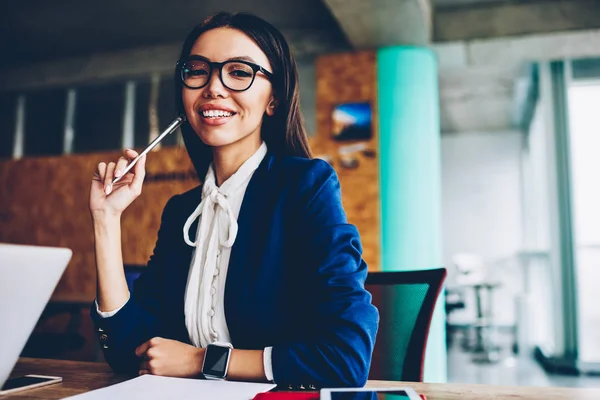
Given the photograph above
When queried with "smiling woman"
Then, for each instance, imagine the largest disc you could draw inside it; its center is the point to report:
(224, 294)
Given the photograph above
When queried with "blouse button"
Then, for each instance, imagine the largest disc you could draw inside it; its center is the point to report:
(211, 312)
(213, 290)
(216, 272)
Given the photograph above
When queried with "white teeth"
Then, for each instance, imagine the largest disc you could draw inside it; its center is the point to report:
(216, 114)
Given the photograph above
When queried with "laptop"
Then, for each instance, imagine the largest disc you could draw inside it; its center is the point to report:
(28, 276)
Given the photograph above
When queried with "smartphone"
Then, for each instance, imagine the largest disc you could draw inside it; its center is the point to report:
(28, 382)
(388, 393)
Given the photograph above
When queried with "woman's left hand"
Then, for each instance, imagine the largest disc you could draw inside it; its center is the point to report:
(168, 357)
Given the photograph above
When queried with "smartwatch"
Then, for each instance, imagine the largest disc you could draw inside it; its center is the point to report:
(216, 360)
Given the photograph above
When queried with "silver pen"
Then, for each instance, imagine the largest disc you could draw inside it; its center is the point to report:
(171, 128)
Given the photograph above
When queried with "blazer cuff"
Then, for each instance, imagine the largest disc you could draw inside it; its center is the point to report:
(268, 364)
(108, 314)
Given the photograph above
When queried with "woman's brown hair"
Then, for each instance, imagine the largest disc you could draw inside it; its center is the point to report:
(283, 132)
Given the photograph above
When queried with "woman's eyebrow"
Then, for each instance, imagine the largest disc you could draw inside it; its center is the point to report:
(241, 58)
(238, 58)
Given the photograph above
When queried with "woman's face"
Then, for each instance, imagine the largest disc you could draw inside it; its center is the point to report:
(222, 117)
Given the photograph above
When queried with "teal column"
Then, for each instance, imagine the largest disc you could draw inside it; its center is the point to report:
(409, 148)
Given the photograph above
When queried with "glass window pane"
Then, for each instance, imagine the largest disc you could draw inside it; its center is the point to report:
(141, 115)
(588, 68)
(585, 164)
(99, 118)
(45, 122)
(8, 104)
(536, 261)
(167, 111)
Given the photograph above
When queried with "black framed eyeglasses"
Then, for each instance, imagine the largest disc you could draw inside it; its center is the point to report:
(235, 75)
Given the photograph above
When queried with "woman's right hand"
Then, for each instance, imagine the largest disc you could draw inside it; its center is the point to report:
(107, 199)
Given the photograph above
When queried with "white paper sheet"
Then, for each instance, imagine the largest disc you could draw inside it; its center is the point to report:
(149, 387)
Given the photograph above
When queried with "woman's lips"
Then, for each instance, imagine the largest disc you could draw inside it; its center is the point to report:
(214, 120)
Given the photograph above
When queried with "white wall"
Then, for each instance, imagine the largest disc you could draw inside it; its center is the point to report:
(481, 194)
(481, 204)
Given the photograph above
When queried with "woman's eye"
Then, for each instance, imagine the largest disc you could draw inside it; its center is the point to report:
(196, 72)
(240, 73)
(238, 70)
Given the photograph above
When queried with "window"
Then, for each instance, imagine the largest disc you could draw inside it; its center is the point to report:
(141, 126)
(584, 119)
(99, 117)
(99, 112)
(45, 122)
(8, 109)
(167, 110)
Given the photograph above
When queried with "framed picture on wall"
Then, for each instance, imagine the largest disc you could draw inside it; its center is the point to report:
(351, 122)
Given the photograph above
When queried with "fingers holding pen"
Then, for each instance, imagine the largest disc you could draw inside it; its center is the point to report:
(128, 172)
(132, 170)
(124, 161)
(130, 176)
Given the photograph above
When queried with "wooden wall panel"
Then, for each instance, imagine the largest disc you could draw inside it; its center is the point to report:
(351, 78)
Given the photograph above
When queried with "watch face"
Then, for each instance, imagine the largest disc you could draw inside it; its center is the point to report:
(215, 361)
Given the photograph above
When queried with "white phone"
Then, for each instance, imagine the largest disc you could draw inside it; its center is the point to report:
(381, 393)
(28, 382)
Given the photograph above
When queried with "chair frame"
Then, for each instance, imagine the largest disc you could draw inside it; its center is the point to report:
(416, 347)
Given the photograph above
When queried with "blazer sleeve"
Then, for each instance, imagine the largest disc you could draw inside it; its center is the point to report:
(339, 353)
(138, 320)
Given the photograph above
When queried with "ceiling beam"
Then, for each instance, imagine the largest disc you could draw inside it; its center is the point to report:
(380, 23)
(514, 18)
(511, 53)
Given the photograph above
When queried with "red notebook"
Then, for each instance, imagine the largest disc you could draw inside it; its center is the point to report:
(287, 396)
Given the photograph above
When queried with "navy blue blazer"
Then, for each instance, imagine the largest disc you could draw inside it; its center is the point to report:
(295, 280)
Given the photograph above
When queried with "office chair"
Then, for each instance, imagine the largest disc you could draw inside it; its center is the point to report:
(406, 301)
(132, 272)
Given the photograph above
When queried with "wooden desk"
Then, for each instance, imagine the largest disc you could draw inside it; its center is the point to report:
(80, 377)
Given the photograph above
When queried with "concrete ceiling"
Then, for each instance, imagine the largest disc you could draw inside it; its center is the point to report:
(379, 23)
(35, 30)
(475, 96)
(477, 99)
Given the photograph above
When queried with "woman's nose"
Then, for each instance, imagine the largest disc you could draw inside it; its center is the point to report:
(215, 87)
